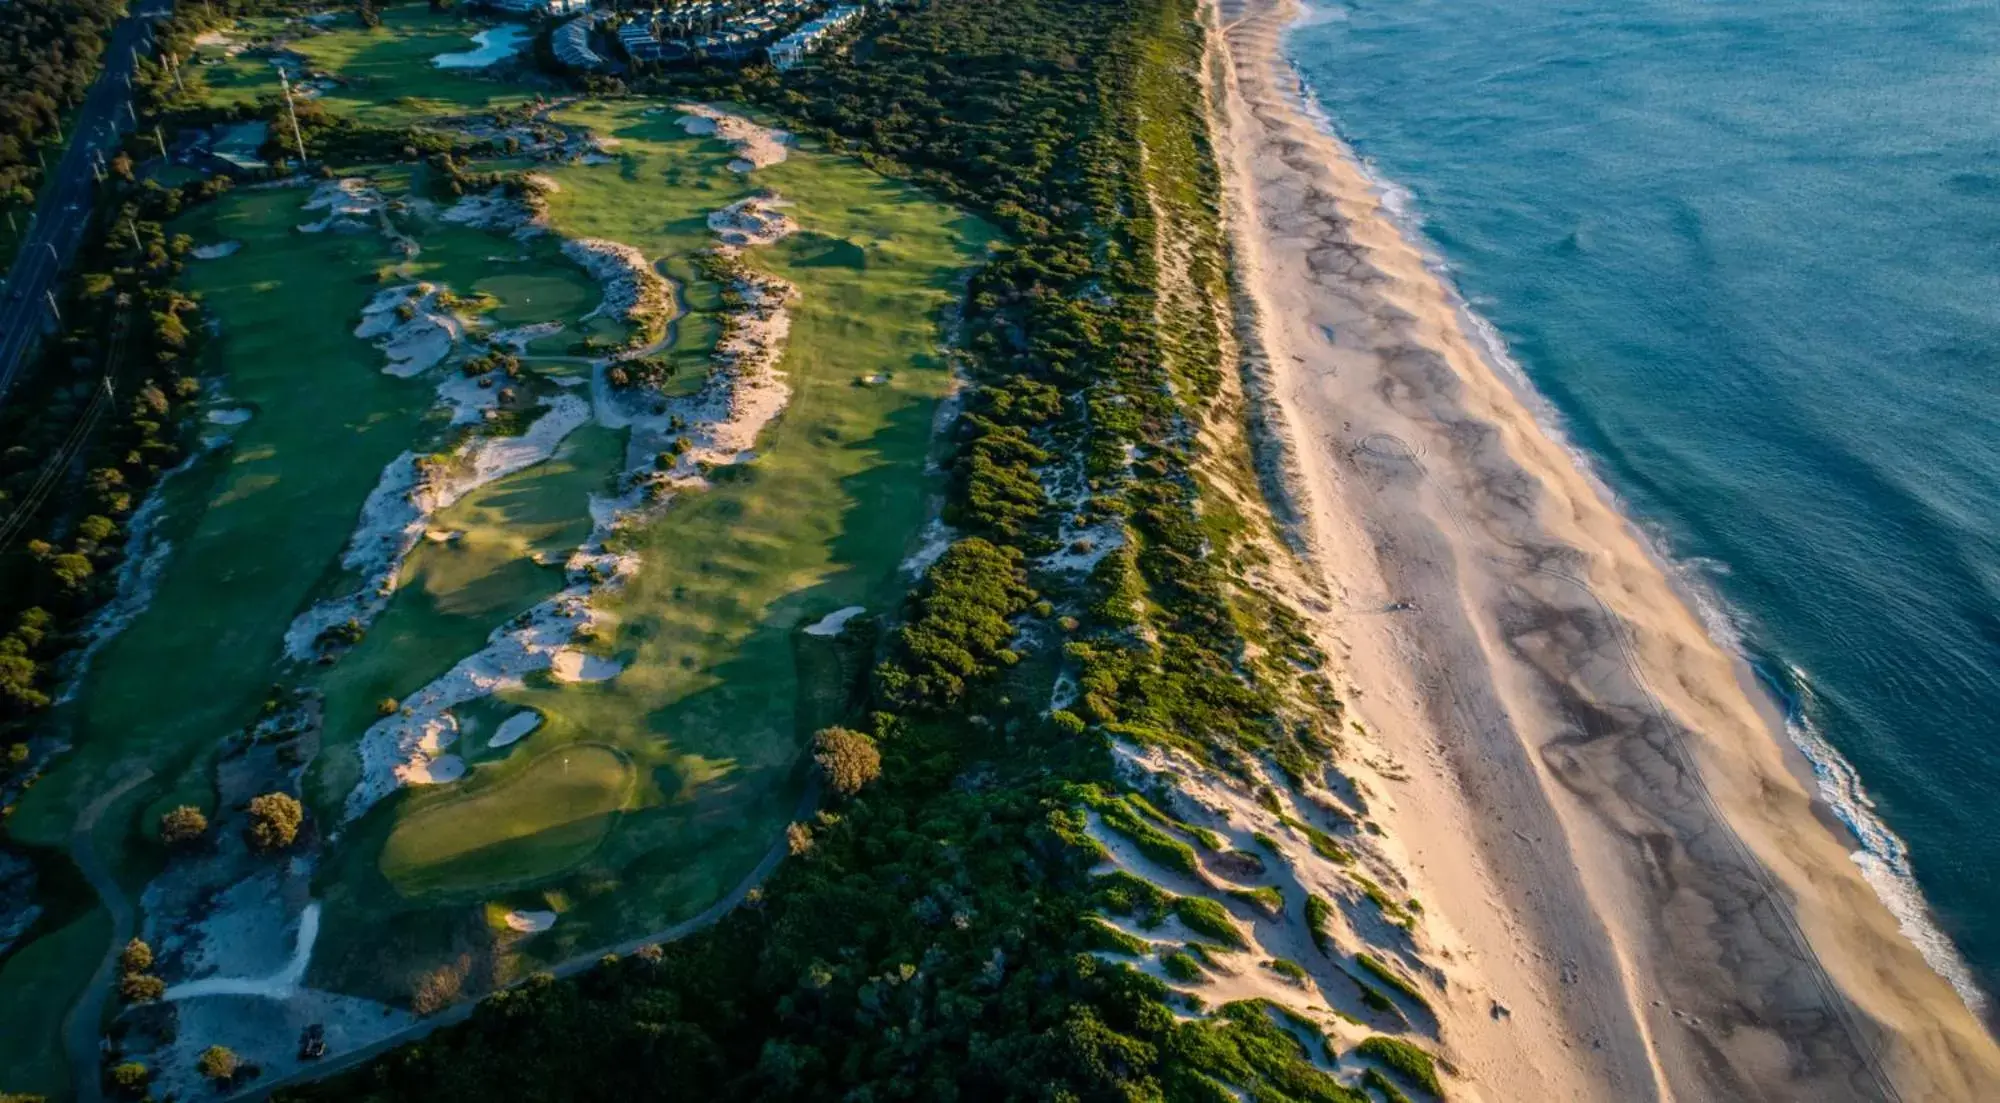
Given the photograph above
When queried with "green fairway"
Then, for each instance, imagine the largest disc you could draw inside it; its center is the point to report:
(383, 75)
(255, 524)
(37, 984)
(720, 688)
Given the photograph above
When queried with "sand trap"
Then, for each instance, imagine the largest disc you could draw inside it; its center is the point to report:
(352, 205)
(441, 770)
(570, 665)
(832, 623)
(216, 251)
(514, 729)
(633, 292)
(232, 416)
(756, 146)
(755, 220)
(530, 922)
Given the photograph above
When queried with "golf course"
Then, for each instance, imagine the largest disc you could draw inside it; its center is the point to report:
(526, 634)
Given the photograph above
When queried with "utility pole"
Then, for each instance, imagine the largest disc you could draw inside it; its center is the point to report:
(51, 297)
(294, 117)
(134, 227)
(160, 138)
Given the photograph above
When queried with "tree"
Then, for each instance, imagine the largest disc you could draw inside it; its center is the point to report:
(798, 839)
(183, 825)
(218, 1063)
(141, 988)
(130, 1078)
(275, 820)
(137, 957)
(847, 760)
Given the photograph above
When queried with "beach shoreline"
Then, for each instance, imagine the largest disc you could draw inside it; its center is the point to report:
(1602, 800)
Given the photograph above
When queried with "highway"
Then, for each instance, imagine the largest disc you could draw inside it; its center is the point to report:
(65, 207)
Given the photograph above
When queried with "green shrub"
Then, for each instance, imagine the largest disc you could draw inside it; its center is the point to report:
(1318, 912)
(1265, 898)
(1151, 841)
(1290, 970)
(1109, 938)
(1393, 979)
(1120, 893)
(1206, 917)
(1182, 967)
(1383, 1086)
(1404, 1059)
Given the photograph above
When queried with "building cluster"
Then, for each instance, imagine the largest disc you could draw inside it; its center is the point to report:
(571, 44)
(552, 8)
(719, 29)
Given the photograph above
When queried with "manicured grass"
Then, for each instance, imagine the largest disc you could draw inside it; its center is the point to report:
(720, 689)
(255, 524)
(452, 595)
(536, 822)
(40, 980)
(387, 72)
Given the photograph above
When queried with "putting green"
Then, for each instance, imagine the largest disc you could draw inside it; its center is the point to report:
(537, 822)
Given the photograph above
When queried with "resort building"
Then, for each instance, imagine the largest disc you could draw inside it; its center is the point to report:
(571, 43)
(551, 8)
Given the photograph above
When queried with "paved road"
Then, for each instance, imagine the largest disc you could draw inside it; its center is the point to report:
(83, 1028)
(59, 220)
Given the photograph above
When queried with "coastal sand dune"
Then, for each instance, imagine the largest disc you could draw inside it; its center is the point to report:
(1598, 799)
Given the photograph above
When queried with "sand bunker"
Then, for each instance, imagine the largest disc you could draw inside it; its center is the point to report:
(832, 623)
(520, 337)
(407, 325)
(570, 665)
(756, 146)
(497, 211)
(231, 416)
(529, 922)
(633, 292)
(756, 220)
(432, 771)
(216, 251)
(514, 729)
(352, 205)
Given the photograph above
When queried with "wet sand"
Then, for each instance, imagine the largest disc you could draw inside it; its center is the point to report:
(1600, 804)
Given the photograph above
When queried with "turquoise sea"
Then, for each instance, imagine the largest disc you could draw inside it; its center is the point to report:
(1750, 252)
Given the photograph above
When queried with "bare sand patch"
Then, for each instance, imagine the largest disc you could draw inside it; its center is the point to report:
(756, 146)
(835, 622)
(529, 922)
(514, 729)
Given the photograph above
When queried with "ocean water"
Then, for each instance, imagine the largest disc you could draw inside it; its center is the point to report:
(1750, 252)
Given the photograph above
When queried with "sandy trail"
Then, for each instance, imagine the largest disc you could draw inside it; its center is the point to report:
(1598, 800)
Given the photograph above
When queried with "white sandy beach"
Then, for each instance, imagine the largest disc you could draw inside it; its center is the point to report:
(1595, 799)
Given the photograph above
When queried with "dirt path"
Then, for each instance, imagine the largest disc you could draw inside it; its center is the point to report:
(81, 1029)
